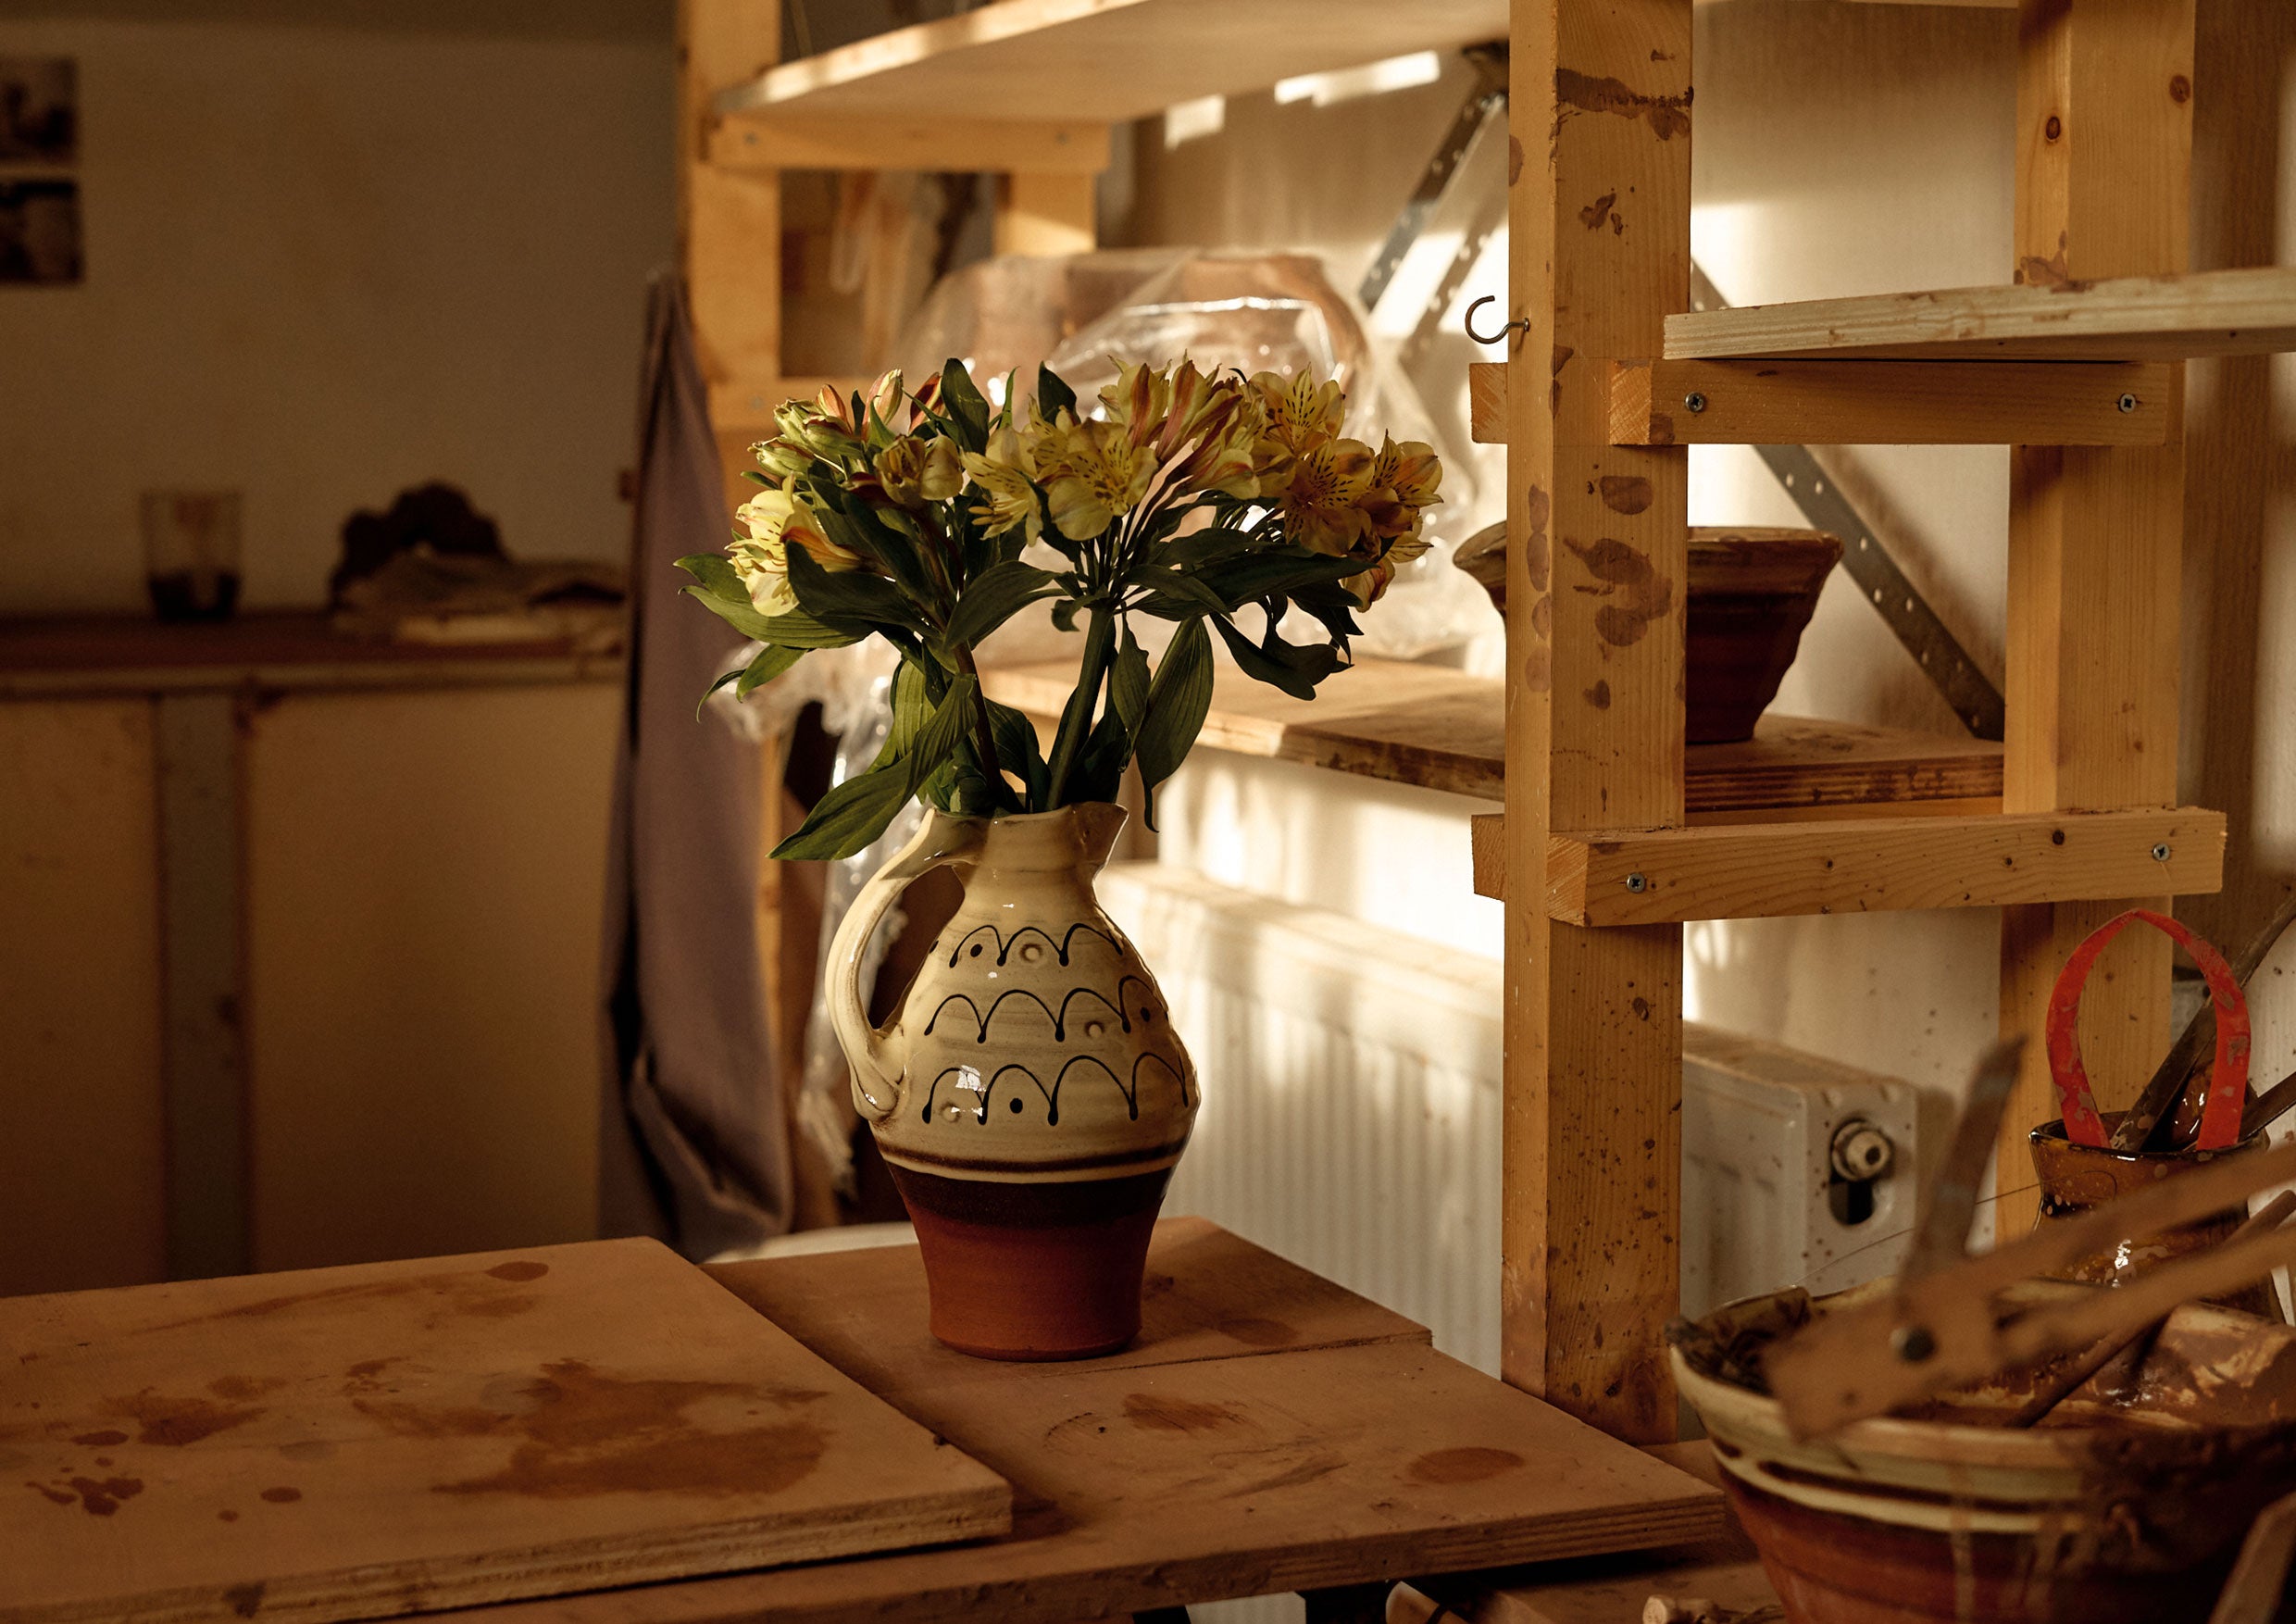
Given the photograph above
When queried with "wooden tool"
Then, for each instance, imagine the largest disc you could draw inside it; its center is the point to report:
(1946, 1326)
(398, 1436)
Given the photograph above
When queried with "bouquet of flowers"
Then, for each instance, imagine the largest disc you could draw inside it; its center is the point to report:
(1190, 497)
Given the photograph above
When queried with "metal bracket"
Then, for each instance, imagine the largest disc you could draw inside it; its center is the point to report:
(1488, 97)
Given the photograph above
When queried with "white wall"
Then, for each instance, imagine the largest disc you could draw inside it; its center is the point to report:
(334, 250)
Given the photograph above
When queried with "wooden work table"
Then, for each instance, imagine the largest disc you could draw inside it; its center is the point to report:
(1268, 1431)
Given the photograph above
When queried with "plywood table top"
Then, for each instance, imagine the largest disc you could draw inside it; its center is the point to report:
(1268, 1431)
(361, 1441)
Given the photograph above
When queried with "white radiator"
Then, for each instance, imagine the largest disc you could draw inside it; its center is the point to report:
(1351, 1116)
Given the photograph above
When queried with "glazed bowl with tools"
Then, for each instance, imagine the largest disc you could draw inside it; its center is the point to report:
(1973, 1439)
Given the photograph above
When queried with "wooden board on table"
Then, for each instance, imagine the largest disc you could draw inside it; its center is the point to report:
(1202, 1464)
(2122, 318)
(1723, 1569)
(1106, 61)
(1444, 729)
(398, 1436)
(1209, 1295)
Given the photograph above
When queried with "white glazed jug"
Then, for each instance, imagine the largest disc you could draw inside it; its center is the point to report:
(1029, 1094)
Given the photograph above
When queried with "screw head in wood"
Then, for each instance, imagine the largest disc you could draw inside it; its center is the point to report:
(2160, 853)
(1694, 401)
(1635, 884)
(2129, 403)
(1913, 1343)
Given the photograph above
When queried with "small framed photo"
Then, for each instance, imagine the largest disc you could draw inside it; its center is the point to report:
(38, 232)
(39, 110)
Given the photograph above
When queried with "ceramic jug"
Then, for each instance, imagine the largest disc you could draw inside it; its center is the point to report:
(1029, 1094)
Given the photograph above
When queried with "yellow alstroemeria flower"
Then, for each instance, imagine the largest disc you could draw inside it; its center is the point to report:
(1320, 505)
(1092, 473)
(1008, 500)
(774, 519)
(1139, 401)
(916, 469)
(1302, 414)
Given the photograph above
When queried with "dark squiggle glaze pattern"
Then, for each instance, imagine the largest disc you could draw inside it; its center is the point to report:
(1005, 947)
(1059, 1018)
(1051, 1095)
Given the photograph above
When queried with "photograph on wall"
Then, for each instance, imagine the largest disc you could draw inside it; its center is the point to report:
(39, 110)
(39, 231)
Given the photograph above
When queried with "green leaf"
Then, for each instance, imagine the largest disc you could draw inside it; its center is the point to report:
(854, 525)
(1179, 700)
(1127, 682)
(856, 812)
(999, 592)
(795, 628)
(1197, 548)
(1051, 394)
(850, 594)
(769, 664)
(738, 615)
(966, 406)
(717, 574)
(1278, 569)
(1099, 774)
(1293, 670)
(1076, 717)
(1020, 752)
(1177, 595)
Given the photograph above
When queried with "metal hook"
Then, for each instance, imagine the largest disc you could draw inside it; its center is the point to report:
(1468, 323)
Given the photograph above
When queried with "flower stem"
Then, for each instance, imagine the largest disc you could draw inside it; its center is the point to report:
(984, 736)
(1076, 718)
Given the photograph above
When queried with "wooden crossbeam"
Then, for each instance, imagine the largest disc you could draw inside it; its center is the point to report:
(789, 141)
(1866, 403)
(1888, 403)
(2049, 317)
(1875, 865)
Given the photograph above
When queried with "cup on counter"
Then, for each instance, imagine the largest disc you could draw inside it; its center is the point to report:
(191, 553)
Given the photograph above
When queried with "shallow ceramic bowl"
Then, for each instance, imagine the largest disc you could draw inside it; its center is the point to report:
(1751, 592)
(2125, 1508)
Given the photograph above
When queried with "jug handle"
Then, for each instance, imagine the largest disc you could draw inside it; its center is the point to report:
(877, 1059)
(2227, 1085)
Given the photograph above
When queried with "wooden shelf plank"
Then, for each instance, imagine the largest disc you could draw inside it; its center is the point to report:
(1443, 730)
(1106, 61)
(2126, 318)
(1771, 402)
(791, 141)
(1766, 871)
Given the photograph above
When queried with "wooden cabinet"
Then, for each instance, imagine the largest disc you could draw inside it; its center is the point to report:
(299, 958)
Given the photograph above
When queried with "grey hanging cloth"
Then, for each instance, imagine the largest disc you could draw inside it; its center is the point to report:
(694, 1144)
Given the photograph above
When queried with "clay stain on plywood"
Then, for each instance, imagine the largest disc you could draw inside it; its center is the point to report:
(176, 1423)
(479, 1293)
(98, 1497)
(1156, 1413)
(521, 1269)
(1469, 1463)
(1259, 1333)
(580, 1431)
(1639, 594)
(1626, 493)
(1582, 93)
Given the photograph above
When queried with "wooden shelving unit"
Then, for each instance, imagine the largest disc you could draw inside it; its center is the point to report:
(1104, 60)
(1596, 397)
(2076, 364)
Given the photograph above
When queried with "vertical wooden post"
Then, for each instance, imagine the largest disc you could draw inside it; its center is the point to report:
(1599, 170)
(1045, 214)
(2104, 154)
(729, 219)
